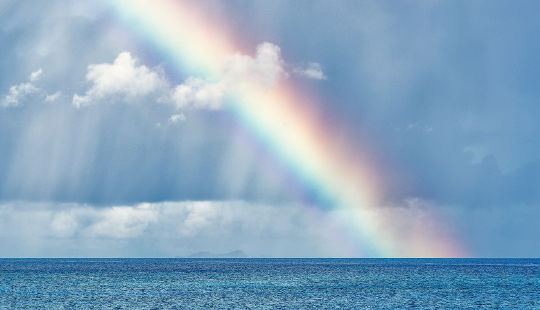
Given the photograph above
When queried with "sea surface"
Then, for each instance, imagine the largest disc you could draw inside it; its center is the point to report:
(269, 283)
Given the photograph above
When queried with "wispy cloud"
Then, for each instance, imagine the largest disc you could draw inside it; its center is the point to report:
(53, 97)
(34, 76)
(313, 70)
(175, 118)
(17, 93)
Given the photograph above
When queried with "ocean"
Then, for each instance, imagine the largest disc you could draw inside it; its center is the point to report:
(269, 283)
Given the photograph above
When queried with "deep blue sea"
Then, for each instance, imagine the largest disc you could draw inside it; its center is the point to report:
(269, 283)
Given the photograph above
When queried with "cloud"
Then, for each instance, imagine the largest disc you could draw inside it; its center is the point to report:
(259, 229)
(17, 93)
(20, 92)
(181, 228)
(34, 76)
(416, 127)
(196, 93)
(175, 118)
(122, 222)
(262, 70)
(112, 222)
(178, 228)
(122, 78)
(53, 97)
(183, 218)
(126, 79)
(312, 71)
(64, 224)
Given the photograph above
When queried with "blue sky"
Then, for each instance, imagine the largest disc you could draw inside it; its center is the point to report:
(443, 94)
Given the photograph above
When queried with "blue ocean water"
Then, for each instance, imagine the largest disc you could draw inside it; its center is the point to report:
(269, 283)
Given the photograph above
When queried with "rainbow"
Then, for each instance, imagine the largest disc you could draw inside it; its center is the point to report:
(284, 122)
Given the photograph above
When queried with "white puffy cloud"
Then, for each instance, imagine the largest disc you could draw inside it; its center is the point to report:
(263, 70)
(121, 78)
(196, 93)
(312, 71)
(125, 78)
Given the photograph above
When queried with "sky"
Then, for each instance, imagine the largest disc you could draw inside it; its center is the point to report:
(273, 129)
